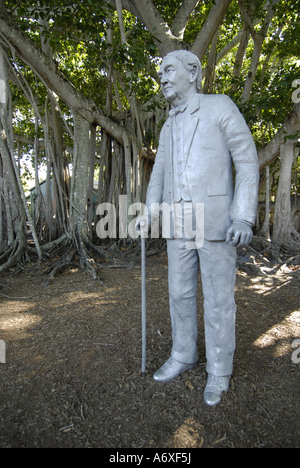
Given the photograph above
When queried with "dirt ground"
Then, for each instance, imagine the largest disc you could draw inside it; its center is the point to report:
(72, 377)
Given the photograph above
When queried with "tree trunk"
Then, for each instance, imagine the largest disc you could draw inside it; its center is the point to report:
(282, 227)
(79, 191)
(90, 194)
(265, 230)
(16, 204)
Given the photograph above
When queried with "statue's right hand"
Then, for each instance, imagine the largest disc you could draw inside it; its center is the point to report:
(142, 225)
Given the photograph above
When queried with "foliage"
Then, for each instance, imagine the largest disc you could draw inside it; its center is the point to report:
(84, 39)
(77, 32)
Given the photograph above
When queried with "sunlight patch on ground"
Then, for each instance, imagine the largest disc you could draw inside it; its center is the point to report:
(261, 285)
(73, 298)
(281, 335)
(264, 285)
(189, 434)
(15, 314)
(18, 325)
(267, 286)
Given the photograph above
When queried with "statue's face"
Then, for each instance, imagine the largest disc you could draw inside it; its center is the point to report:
(176, 80)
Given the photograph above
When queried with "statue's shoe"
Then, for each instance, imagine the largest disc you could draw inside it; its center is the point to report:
(171, 369)
(214, 387)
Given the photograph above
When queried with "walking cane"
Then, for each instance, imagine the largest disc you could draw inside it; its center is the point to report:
(143, 255)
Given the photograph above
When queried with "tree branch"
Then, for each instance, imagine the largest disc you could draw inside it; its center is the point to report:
(246, 18)
(210, 26)
(126, 5)
(121, 22)
(258, 43)
(272, 150)
(182, 17)
(47, 71)
(156, 25)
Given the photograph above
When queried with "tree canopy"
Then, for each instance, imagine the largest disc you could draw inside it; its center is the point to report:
(80, 95)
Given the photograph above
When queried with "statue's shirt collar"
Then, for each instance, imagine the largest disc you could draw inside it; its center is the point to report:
(182, 108)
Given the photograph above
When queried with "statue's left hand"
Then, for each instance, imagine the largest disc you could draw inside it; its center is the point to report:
(239, 234)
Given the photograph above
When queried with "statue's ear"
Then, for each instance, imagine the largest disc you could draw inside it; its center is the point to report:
(194, 74)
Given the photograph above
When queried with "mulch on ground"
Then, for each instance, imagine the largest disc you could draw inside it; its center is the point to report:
(72, 377)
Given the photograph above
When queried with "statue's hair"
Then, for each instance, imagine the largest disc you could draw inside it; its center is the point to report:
(190, 61)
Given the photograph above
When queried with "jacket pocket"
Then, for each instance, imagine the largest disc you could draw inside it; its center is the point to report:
(216, 216)
(217, 192)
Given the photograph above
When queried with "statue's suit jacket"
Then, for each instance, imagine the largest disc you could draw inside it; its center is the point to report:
(215, 135)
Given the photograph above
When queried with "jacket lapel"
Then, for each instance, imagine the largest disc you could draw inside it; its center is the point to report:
(168, 141)
(190, 124)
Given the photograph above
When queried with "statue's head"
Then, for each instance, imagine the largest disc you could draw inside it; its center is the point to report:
(180, 74)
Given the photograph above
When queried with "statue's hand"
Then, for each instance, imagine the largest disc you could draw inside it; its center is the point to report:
(239, 234)
(142, 225)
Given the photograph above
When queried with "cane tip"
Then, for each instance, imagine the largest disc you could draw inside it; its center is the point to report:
(143, 374)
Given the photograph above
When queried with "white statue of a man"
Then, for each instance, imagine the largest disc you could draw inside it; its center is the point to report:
(202, 137)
